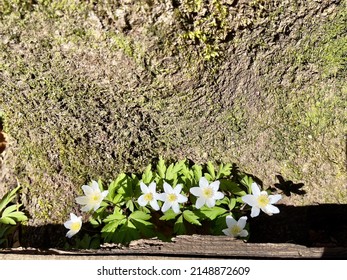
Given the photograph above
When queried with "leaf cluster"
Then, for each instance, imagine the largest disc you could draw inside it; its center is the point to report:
(121, 219)
(10, 216)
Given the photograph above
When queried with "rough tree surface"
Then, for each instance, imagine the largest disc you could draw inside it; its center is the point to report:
(89, 89)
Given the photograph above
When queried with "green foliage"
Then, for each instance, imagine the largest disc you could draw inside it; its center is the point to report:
(86, 242)
(10, 216)
(121, 219)
(207, 32)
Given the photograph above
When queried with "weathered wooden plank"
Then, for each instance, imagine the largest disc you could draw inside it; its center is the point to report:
(200, 246)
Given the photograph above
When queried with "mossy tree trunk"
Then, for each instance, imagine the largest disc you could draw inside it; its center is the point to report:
(91, 89)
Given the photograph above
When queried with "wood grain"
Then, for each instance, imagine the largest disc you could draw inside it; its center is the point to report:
(196, 246)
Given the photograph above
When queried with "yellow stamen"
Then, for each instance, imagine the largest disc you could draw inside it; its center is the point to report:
(96, 197)
(171, 197)
(148, 197)
(207, 192)
(76, 226)
(235, 230)
(263, 200)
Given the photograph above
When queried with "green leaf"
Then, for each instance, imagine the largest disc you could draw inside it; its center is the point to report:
(179, 227)
(95, 222)
(208, 177)
(211, 171)
(101, 187)
(130, 205)
(161, 168)
(126, 187)
(95, 242)
(18, 216)
(145, 228)
(168, 215)
(190, 217)
(170, 173)
(147, 175)
(115, 216)
(126, 233)
(187, 178)
(225, 200)
(219, 224)
(115, 185)
(88, 242)
(8, 221)
(140, 221)
(224, 170)
(197, 170)
(228, 185)
(139, 215)
(247, 182)
(9, 209)
(237, 191)
(4, 230)
(112, 226)
(210, 213)
(117, 199)
(232, 203)
(8, 197)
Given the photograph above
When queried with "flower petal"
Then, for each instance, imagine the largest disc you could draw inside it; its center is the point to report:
(95, 186)
(73, 217)
(210, 202)
(275, 198)
(154, 204)
(200, 202)
(255, 211)
(255, 189)
(86, 208)
(218, 195)
(203, 183)
(82, 200)
(144, 188)
(161, 196)
(215, 185)
(249, 199)
(181, 198)
(68, 224)
(178, 189)
(241, 223)
(227, 232)
(165, 206)
(197, 191)
(175, 207)
(270, 209)
(70, 233)
(141, 200)
(167, 188)
(152, 187)
(87, 190)
(96, 206)
(230, 221)
(104, 194)
(243, 233)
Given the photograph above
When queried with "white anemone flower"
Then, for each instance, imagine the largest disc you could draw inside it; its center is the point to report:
(172, 198)
(74, 225)
(92, 197)
(260, 200)
(149, 196)
(206, 193)
(236, 228)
